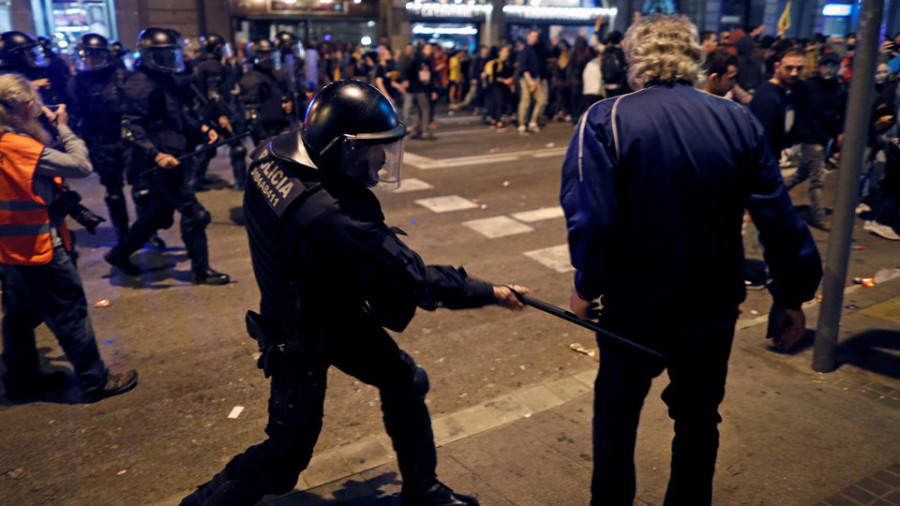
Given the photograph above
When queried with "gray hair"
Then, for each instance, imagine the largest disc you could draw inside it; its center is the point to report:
(662, 47)
(16, 93)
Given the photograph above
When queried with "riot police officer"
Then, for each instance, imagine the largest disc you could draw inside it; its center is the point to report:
(214, 80)
(20, 53)
(266, 95)
(96, 108)
(293, 66)
(332, 275)
(157, 128)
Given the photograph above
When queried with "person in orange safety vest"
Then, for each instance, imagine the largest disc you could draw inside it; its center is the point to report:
(40, 282)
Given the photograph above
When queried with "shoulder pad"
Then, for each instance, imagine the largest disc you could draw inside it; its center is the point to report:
(289, 148)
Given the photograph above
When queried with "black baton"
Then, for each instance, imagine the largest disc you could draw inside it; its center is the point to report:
(573, 318)
(214, 145)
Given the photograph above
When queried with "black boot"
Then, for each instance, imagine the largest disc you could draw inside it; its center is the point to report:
(208, 276)
(437, 495)
(117, 258)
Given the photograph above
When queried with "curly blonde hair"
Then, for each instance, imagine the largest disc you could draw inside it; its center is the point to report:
(662, 47)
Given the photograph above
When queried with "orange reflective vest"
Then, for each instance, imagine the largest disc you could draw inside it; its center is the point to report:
(25, 237)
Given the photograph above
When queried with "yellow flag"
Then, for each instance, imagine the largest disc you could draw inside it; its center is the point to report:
(784, 22)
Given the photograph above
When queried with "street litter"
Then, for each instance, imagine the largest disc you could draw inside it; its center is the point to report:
(851, 307)
(236, 412)
(123, 471)
(857, 247)
(506, 183)
(109, 341)
(550, 145)
(579, 348)
(865, 282)
(483, 207)
(495, 150)
(102, 303)
(413, 221)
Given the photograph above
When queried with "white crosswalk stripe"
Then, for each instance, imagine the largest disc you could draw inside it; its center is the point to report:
(412, 184)
(544, 213)
(554, 257)
(446, 204)
(498, 226)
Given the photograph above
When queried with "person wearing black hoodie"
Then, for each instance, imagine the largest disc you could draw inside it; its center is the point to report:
(819, 104)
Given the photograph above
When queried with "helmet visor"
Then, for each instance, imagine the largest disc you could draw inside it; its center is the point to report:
(376, 165)
(166, 59)
(268, 60)
(34, 56)
(92, 59)
(227, 51)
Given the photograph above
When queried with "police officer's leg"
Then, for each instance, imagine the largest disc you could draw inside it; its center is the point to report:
(697, 370)
(360, 347)
(111, 173)
(238, 154)
(57, 296)
(176, 192)
(199, 166)
(273, 466)
(622, 383)
(153, 213)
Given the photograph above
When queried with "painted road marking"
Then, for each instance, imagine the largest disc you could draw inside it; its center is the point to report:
(412, 185)
(426, 163)
(498, 226)
(554, 257)
(446, 204)
(544, 213)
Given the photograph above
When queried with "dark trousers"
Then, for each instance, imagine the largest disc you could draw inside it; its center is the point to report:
(159, 193)
(361, 348)
(697, 366)
(497, 100)
(51, 294)
(110, 163)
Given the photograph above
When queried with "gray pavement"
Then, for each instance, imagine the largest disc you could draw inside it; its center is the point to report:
(511, 403)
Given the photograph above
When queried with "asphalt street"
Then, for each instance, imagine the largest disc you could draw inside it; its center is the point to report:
(473, 197)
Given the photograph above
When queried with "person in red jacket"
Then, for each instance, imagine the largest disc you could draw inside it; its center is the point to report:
(40, 282)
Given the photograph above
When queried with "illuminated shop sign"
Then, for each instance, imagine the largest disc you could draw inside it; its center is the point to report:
(438, 10)
(837, 10)
(532, 12)
(308, 6)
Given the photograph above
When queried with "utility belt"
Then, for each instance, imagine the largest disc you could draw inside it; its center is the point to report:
(276, 345)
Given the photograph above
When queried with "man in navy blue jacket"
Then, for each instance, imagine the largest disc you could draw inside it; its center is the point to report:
(654, 187)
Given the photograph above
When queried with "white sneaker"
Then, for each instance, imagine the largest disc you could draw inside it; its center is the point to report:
(533, 127)
(862, 208)
(883, 231)
(522, 129)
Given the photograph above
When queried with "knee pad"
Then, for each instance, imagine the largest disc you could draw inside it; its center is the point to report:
(115, 199)
(195, 217)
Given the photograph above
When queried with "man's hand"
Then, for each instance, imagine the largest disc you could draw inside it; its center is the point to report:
(62, 115)
(584, 309)
(786, 327)
(288, 107)
(433, 95)
(506, 296)
(225, 123)
(210, 133)
(41, 83)
(166, 161)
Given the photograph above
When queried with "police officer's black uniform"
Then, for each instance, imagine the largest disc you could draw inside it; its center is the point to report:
(293, 57)
(331, 276)
(21, 54)
(96, 108)
(265, 92)
(156, 121)
(214, 82)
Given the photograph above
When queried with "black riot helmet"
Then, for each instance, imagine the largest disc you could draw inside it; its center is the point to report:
(289, 45)
(264, 55)
(160, 50)
(352, 126)
(19, 50)
(93, 53)
(216, 46)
